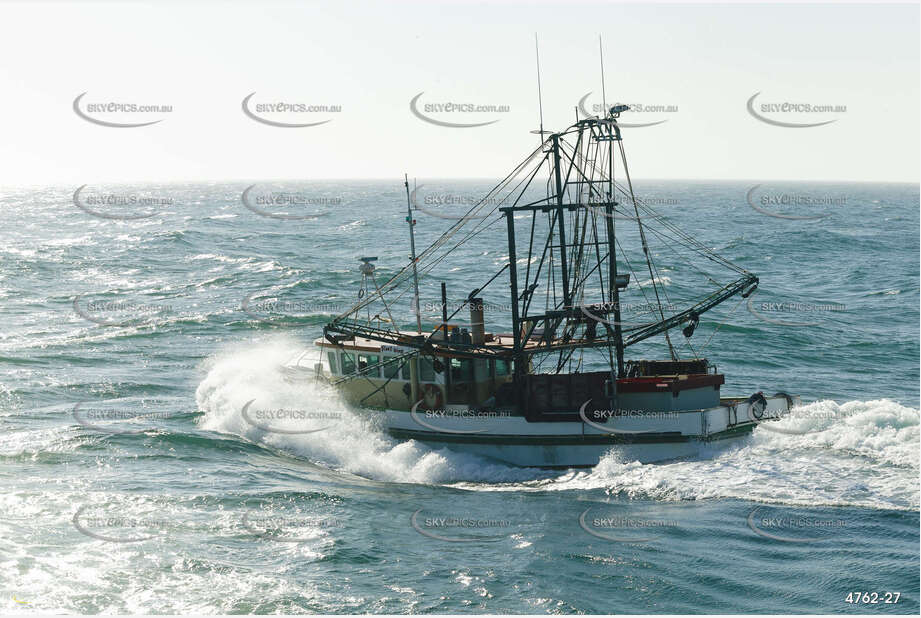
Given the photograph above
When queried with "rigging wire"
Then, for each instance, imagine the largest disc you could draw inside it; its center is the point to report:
(587, 160)
(655, 288)
(720, 325)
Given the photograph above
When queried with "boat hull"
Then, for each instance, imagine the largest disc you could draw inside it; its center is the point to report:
(646, 438)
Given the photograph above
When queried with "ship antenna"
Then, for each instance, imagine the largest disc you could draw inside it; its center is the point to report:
(604, 101)
(540, 101)
(412, 248)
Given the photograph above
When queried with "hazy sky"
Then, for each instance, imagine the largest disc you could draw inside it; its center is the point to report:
(704, 61)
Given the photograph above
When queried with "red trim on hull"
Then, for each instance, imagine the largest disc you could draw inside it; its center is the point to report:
(666, 384)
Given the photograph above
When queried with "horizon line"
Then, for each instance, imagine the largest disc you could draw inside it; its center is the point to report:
(398, 180)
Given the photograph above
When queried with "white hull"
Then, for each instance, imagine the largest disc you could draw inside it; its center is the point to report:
(667, 418)
(647, 439)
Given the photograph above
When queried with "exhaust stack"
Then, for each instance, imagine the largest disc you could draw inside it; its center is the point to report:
(477, 324)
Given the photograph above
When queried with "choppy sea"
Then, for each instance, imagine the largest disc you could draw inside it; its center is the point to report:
(129, 343)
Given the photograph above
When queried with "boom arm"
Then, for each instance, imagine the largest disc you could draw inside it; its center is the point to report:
(745, 286)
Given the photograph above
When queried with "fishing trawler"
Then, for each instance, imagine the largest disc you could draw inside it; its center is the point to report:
(551, 387)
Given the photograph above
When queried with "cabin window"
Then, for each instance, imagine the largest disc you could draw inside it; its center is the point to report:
(369, 365)
(502, 367)
(404, 370)
(392, 368)
(492, 368)
(462, 370)
(348, 363)
(333, 365)
(426, 369)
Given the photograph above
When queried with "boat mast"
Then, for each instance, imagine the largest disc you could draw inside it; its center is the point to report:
(613, 133)
(412, 249)
(561, 225)
(614, 288)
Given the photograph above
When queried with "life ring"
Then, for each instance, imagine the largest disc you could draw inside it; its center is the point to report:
(431, 395)
(757, 404)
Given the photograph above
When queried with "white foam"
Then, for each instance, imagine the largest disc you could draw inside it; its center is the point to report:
(862, 453)
(658, 279)
(351, 444)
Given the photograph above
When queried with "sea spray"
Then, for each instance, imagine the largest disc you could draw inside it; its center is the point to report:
(352, 443)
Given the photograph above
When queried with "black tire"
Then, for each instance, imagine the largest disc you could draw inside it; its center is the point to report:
(757, 404)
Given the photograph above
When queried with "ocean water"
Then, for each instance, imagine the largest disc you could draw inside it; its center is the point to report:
(138, 320)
